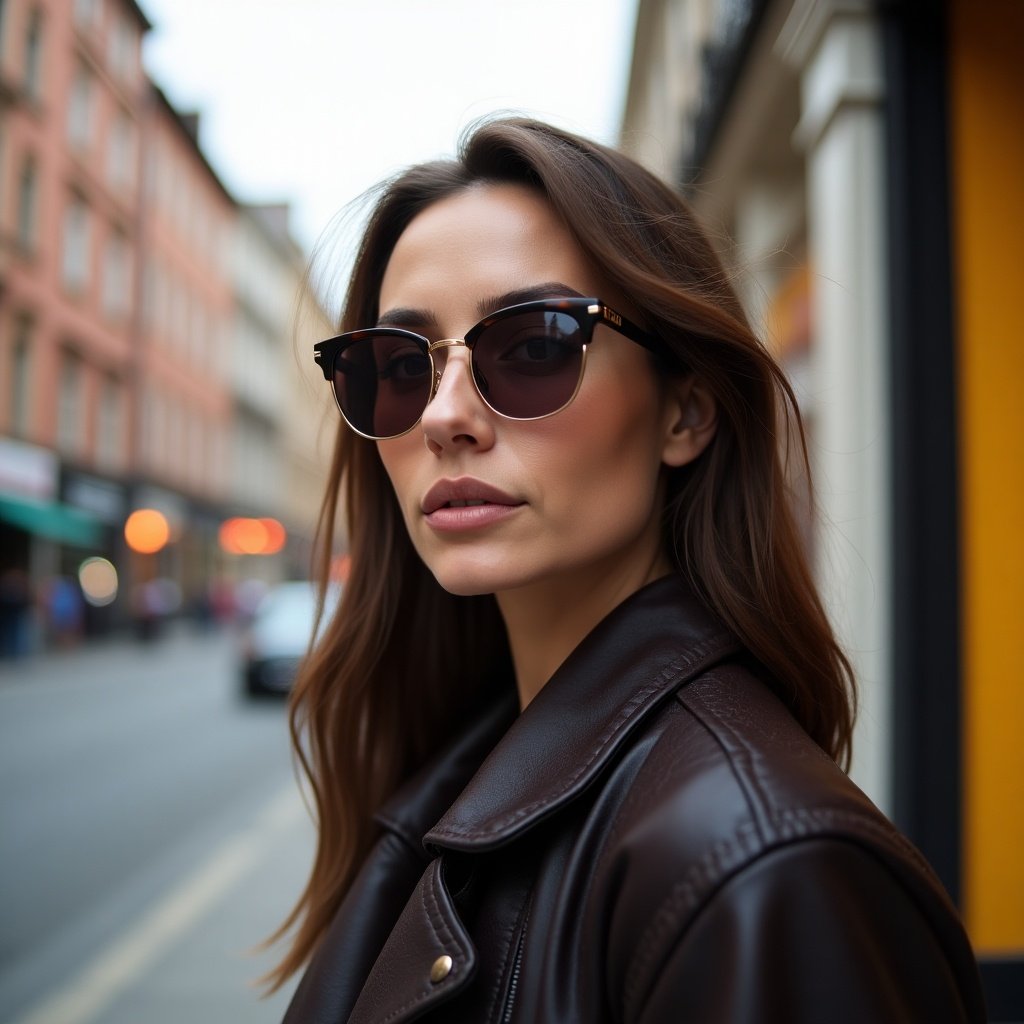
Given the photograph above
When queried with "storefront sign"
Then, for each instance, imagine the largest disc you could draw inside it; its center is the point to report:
(101, 497)
(27, 470)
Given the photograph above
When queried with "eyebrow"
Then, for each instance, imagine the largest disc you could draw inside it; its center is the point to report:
(404, 316)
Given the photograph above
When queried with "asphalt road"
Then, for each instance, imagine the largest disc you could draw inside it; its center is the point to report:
(151, 833)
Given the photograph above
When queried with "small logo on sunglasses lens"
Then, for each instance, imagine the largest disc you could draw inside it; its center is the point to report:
(612, 317)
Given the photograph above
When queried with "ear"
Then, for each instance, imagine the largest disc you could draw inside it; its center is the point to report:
(691, 416)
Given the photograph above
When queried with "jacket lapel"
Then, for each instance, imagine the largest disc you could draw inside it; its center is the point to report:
(427, 959)
(375, 901)
(641, 653)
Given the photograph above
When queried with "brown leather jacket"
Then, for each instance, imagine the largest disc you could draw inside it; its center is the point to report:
(653, 839)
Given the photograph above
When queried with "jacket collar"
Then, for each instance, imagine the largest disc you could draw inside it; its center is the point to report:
(641, 653)
(429, 792)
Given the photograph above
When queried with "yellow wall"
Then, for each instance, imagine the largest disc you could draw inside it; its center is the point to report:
(987, 94)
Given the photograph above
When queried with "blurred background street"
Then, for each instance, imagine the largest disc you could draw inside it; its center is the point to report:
(152, 834)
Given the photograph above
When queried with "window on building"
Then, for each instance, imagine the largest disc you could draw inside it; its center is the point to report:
(195, 451)
(161, 301)
(121, 152)
(75, 259)
(110, 431)
(80, 109)
(174, 439)
(33, 75)
(148, 415)
(117, 277)
(149, 286)
(87, 14)
(181, 300)
(200, 329)
(69, 405)
(157, 409)
(20, 394)
(122, 48)
(28, 201)
(150, 174)
(216, 458)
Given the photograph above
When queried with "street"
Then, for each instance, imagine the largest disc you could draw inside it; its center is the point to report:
(152, 834)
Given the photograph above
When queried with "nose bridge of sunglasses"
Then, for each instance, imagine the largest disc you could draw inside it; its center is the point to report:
(437, 346)
(439, 354)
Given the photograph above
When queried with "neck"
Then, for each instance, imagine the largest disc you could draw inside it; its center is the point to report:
(547, 620)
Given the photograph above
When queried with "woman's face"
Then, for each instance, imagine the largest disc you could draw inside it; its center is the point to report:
(572, 500)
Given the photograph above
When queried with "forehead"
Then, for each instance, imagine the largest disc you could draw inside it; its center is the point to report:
(487, 240)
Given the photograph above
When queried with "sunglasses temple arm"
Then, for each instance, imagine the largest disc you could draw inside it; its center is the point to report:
(640, 336)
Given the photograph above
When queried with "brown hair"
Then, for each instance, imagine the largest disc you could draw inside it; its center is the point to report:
(375, 697)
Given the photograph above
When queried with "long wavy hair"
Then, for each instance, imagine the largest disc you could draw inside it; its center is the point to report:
(375, 696)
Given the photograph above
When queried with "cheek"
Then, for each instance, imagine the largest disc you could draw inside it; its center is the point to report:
(601, 457)
(399, 457)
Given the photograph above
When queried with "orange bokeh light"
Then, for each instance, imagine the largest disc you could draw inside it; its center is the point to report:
(276, 536)
(241, 536)
(146, 530)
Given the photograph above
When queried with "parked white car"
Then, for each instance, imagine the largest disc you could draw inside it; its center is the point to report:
(278, 634)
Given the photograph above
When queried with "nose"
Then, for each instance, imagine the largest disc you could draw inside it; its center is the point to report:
(455, 416)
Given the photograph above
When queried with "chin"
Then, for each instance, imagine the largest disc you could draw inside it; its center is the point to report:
(471, 584)
(474, 580)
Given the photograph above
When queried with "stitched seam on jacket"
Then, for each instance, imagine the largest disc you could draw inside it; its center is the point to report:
(773, 816)
(761, 803)
(753, 794)
(428, 889)
(655, 729)
(685, 896)
(701, 879)
(678, 667)
(881, 831)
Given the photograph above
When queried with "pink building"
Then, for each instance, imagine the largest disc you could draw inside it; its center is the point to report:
(72, 94)
(144, 321)
(182, 448)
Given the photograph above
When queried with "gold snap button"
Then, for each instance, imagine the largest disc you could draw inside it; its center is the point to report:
(441, 969)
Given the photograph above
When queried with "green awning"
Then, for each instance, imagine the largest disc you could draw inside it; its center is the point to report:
(52, 520)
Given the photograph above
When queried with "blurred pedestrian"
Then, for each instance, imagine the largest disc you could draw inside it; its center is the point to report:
(573, 733)
(15, 613)
(65, 610)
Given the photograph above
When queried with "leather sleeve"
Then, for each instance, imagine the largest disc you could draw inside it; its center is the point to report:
(819, 931)
(335, 976)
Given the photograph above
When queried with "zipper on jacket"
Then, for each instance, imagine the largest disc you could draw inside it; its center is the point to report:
(514, 980)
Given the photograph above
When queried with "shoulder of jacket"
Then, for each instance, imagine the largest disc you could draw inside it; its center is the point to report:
(727, 744)
(724, 776)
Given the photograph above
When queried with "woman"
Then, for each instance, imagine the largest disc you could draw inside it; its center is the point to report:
(573, 733)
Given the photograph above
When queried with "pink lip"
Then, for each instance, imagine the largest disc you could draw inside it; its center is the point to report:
(441, 516)
(472, 517)
(465, 488)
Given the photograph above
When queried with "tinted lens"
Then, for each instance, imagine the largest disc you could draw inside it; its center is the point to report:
(382, 382)
(528, 364)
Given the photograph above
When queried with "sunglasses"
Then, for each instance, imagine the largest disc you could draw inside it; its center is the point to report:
(527, 363)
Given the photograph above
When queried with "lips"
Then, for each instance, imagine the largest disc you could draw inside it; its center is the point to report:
(464, 492)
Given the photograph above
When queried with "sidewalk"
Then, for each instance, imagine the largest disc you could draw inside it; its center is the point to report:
(118, 648)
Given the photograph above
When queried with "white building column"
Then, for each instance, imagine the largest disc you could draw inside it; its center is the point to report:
(835, 46)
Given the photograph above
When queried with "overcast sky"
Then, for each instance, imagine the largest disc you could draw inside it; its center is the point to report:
(313, 101)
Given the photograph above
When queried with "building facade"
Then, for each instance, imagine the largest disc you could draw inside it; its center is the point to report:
(146, 338)
(186, 340)
(281, 443)
(71, 106)
(863, 162)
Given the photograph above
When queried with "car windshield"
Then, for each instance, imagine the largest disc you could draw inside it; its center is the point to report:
(287, 612)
